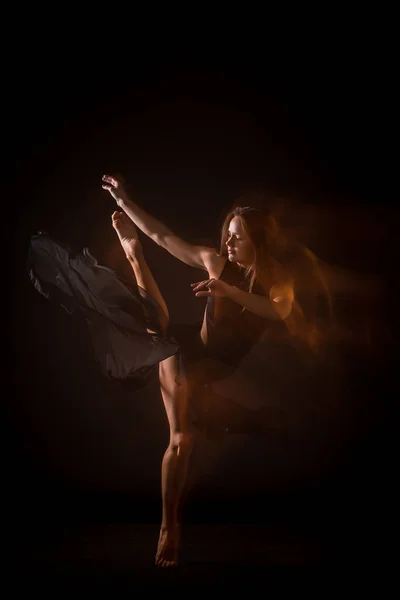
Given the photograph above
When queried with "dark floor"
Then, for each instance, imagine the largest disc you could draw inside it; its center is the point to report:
(121, 556)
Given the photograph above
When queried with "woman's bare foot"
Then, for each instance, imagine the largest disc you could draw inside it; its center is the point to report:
(127, 233)
(167, 549)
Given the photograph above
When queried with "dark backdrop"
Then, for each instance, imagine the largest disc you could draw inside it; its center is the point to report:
(190, 139)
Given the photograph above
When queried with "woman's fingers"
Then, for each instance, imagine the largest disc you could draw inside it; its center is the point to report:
(198, 285)
(110, 180)
(200, 294)
(201, 284)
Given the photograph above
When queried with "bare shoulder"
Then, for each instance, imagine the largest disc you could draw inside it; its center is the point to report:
(213, 262)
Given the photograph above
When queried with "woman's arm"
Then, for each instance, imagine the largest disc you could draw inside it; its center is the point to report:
(277, 306)
(196, 256)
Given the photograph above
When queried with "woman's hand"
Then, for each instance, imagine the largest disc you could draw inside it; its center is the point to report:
(115, 186)
(212, 287)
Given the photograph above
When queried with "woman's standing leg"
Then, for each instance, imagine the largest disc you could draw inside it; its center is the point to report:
(174, 391)
(175, 462)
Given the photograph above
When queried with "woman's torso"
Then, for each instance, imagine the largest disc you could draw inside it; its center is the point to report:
(228, 332)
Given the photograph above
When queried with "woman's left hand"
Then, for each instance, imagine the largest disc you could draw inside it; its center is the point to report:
(211, 287)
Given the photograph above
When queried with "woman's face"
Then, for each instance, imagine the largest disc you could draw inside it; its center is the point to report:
(240, 247)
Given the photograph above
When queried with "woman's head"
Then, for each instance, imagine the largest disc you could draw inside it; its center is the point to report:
(253, 239)
(248, 235)
(239, 245)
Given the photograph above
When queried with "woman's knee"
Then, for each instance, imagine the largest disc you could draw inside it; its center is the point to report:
(181, 442)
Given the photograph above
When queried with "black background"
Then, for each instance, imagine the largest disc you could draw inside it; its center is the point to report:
(190, 136)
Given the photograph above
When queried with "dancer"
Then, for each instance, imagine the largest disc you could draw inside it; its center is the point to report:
(248, 293)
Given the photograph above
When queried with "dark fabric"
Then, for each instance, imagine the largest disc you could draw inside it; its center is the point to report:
(117, 313)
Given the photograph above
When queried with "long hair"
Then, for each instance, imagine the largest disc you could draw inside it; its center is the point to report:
(263, 231)
(279, 261)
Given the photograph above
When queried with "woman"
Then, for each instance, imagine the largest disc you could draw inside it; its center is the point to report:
(248, 292)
